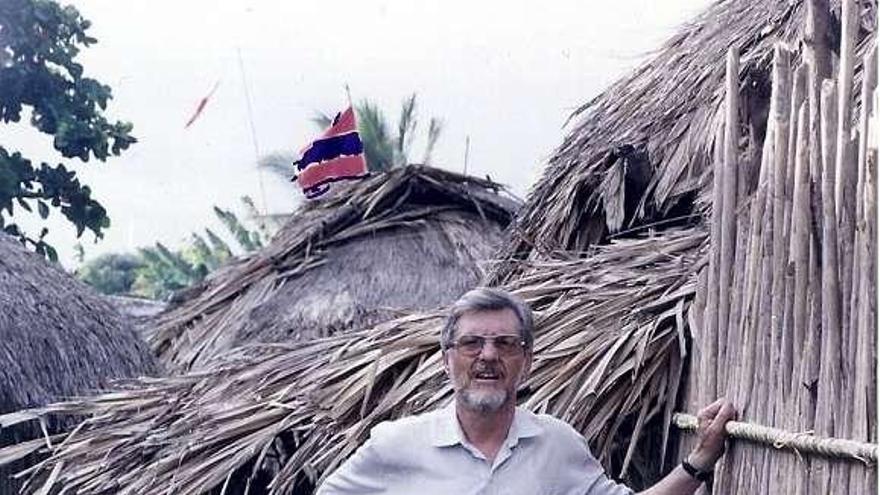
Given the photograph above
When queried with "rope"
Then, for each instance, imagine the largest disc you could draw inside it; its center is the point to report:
(803, 442)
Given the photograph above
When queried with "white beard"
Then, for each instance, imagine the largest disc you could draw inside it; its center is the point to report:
(483, 401)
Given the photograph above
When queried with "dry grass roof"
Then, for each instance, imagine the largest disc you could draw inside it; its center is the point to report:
(58, 338)
(640, 152)
(411, 238)
(612, 313)
(609, 347)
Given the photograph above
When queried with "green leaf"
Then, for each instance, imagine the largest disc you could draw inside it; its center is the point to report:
(51, 253)
(44, 80)
(23, 204)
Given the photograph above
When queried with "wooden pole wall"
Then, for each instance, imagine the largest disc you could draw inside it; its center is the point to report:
(788, 319)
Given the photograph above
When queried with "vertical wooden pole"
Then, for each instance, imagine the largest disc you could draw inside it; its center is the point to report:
(792, 335)
(845, 168)
(728, 213)
(863, 308)
(800, 255)
(708, 365)
(781, 106)
(792, 342)
(818, 59)
(829, 387)
(699, 337)
(776, 254)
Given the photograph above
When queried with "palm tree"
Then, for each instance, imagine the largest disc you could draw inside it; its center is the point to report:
(382, 149)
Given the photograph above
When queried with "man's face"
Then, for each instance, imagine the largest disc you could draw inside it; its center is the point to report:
(488, 380)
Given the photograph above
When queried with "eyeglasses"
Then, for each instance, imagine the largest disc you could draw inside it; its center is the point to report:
(506, 345)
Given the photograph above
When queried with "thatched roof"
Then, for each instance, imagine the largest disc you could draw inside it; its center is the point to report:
(272, 416)
(640, 152)
(140, 311)
(411, 238)
(612, 320)
(58, 338)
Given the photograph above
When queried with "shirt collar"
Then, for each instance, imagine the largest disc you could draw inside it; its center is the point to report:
(447, 431)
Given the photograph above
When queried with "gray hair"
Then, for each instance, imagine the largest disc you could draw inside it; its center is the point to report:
(488, 299)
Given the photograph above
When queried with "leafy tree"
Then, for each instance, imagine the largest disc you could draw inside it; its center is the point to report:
(157, 272)
(164, 272)
(40, 79)
(279, 163)
(382, 148)
(247, 239)
(265, 224)
(112, 273)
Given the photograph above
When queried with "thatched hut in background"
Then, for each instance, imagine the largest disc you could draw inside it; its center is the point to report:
(609, 250)
(140, 311)
(58, 339)
(411, 238)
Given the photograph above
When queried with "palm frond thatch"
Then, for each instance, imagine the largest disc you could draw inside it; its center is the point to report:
(641, 151)
(279, 414)
(265, 416)
(410, 238)
(58, 338)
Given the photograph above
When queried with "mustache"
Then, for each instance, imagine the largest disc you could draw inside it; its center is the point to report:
(484, 366)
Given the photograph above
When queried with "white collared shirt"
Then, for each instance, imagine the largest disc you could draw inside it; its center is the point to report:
(428, 455)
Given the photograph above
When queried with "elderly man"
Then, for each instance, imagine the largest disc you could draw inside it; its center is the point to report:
(483, 443)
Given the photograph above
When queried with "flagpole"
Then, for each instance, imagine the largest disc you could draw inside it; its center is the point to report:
(247, 99)
(348, 94)
(467, 149)
(354, 111)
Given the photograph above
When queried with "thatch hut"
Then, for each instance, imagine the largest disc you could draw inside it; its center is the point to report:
(58, 339)
(612, 250)
(140, 311)
(411, 238)
(640, 154)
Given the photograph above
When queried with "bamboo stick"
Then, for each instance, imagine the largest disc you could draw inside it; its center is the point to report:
(765, 379)
(791, 334)
(862, 240)
(780, 346)
(800, 240)
(766, 393)
(748, 325)
(780, 95)
(745, 324)
(810, 365)
(695, 390)
(868, 329)
(845, 168)
(728, 213)
(828, 401)
(791, 337)
(818, 59)
(708, 365)
(844, 198)
(800, 255)
(806, 443)
(817, 55)
(863, 306)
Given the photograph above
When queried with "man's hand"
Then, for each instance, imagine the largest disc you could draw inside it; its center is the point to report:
(710, 445)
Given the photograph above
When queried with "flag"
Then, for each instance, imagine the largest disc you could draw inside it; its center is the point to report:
(337, 155)
(201, 106)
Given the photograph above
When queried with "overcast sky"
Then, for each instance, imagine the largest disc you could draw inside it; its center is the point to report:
(506, 74)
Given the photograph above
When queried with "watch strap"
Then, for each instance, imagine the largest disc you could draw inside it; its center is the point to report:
(697, 474)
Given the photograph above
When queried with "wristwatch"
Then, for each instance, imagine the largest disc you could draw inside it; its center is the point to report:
(697, 474)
